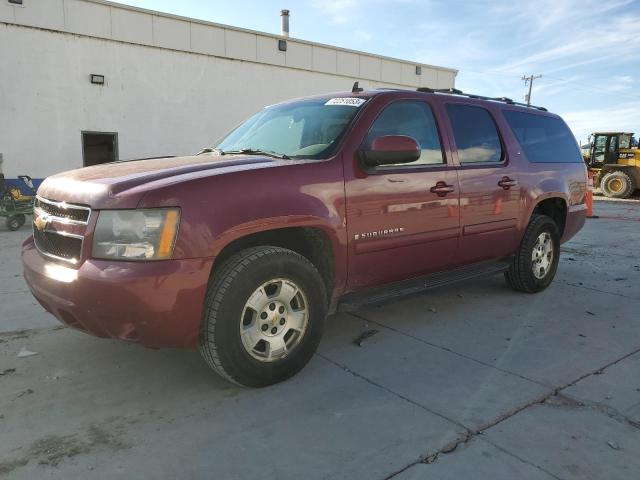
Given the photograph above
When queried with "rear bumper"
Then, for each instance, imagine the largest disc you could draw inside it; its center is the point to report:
(156, 304)
(576, 217)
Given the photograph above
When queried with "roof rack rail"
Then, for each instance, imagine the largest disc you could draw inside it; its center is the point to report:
(455, 91)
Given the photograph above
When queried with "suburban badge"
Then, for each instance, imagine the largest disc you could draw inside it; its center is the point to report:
(378, 233)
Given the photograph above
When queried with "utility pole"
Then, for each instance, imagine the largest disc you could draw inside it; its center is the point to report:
(529, 81)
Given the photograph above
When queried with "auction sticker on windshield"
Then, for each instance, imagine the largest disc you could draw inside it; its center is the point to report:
(352, 102)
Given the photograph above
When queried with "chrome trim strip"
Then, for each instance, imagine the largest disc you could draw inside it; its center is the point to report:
(66, 206)
(62, 220)
(64, 234)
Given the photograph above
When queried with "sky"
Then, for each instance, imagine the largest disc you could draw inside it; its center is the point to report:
(587, 51)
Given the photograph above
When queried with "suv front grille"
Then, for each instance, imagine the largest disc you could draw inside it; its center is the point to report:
(64, 211)
(59, 246)
(59, 229)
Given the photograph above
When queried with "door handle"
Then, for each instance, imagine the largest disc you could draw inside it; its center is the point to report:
(506, 183)
(441, 189)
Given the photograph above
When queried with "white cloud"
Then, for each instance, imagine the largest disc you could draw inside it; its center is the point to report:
(348, 11)
(544, 15)
(573, 33)
(363, 35)
(623, 118)
(337, 10)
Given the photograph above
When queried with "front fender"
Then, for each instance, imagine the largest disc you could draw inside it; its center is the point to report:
(218, 209)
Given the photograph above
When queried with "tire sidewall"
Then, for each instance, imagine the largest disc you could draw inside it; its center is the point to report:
(547, 225)
(235, 360)
(13, 223)
(623, 177)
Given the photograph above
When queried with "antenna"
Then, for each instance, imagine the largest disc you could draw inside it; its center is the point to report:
(356, 88)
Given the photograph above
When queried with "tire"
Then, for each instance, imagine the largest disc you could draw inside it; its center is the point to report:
(248, 277)
(22, 219)
(13, 223)
(617, 184)
(521, 275)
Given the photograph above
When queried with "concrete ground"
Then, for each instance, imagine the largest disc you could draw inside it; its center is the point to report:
(470, 381)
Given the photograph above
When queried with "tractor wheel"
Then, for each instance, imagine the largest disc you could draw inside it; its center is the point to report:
(13, 223)
(617, 185)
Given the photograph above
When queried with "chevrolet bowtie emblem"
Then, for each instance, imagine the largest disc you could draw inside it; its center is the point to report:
(41, 222)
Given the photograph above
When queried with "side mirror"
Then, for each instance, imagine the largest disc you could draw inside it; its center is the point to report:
(390, 149)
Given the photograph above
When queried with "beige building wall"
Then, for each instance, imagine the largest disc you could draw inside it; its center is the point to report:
(173, 85)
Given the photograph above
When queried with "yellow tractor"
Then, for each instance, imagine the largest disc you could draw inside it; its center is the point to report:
(613, 159)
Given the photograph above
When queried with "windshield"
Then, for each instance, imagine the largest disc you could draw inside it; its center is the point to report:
(302, 129)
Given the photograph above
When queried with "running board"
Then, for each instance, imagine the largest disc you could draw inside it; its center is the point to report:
(381, 294)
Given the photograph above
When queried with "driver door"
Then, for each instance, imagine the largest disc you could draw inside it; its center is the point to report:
(399, 222)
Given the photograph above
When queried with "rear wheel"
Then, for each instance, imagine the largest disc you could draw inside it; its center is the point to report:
(264, 316)
(536, 261)
(617, 185)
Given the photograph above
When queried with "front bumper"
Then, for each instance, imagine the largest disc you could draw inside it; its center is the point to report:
(156, 304)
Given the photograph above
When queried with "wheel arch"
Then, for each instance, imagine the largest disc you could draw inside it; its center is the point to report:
(554, 206)
(311, 241)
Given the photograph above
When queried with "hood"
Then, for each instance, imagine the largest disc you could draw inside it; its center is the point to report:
(122, 184)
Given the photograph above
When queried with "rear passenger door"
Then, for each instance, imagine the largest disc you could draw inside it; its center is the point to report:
(489, 191)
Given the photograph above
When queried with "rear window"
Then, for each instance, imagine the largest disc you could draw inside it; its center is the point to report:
(543, 139)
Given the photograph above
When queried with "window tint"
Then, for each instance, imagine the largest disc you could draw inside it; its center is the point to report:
(475, 134)
(415, 120)
(547, 139)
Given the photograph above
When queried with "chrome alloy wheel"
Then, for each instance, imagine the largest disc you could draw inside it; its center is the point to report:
(542, 255)
(274, 320)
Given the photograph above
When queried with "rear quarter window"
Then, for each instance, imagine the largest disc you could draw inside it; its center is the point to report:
(543, 139)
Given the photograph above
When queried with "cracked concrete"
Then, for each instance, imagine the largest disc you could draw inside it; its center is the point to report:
(469, 381)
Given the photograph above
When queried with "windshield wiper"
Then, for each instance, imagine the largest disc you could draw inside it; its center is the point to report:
(254, 151)
(210, 150)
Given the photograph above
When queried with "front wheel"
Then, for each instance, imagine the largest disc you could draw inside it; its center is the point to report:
(264, 316)
(536, 261)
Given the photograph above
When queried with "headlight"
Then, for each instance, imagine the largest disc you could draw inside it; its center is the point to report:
(136, 234)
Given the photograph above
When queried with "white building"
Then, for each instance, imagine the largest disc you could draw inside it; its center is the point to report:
(171, 84)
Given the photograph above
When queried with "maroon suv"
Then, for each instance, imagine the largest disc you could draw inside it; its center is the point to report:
(311, 205)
